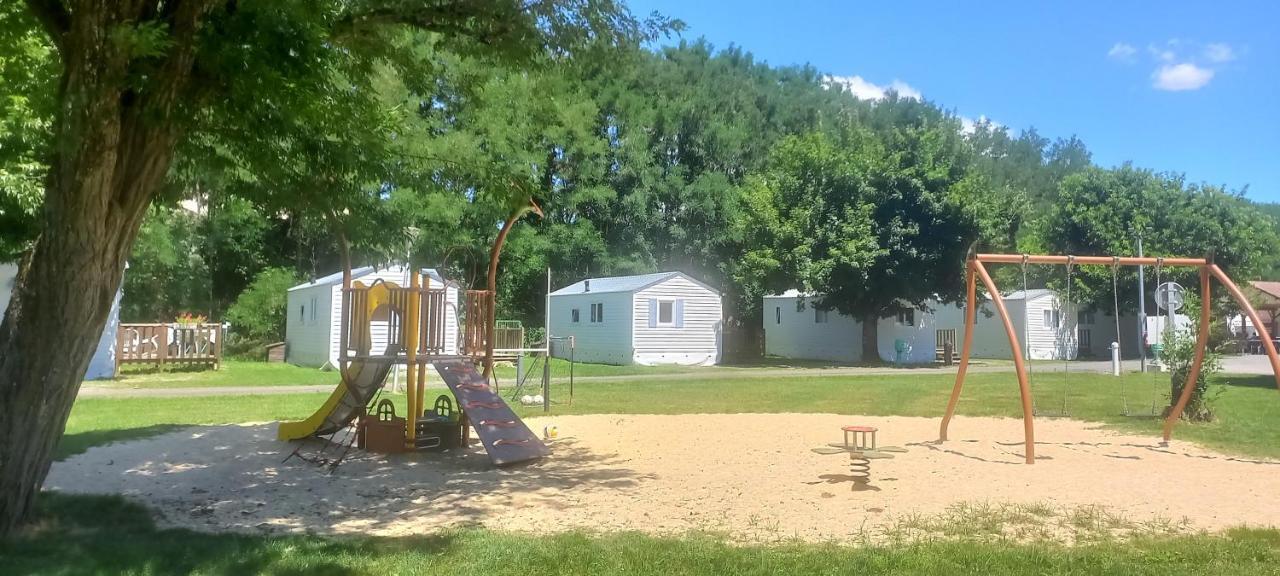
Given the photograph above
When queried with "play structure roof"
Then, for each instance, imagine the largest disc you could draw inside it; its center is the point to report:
(624, 283)
(356, 274)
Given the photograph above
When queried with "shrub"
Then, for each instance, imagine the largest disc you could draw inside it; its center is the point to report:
(258, 315)
(1179, 351)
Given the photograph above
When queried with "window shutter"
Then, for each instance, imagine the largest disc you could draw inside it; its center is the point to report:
(679, 313)
(653, 312)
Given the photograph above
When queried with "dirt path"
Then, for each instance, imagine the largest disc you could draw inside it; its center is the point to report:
(752, 476)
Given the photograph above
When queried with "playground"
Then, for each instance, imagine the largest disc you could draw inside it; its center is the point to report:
(751, 477)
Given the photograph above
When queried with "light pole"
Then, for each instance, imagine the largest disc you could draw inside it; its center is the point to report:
(1142, 313)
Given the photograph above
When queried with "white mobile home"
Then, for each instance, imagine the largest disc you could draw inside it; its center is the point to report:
(312, 329)
(662, 318)
(103, 363)
(795, 328)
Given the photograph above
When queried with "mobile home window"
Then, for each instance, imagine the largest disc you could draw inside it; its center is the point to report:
(313, 309)
(597, 312)
(1085, 318)
(907, 318)
(777, 314)
(1052, 318)
(819, 316)
(302, 313)
(573, 314)
(666, 312)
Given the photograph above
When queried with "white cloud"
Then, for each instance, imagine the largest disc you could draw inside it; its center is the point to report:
(864, 90)
(1122, 52)
(1179, 77)
(1219, 52)
(1162, 54)
(968, 125)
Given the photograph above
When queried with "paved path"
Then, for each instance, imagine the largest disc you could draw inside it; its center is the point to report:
(88, 390)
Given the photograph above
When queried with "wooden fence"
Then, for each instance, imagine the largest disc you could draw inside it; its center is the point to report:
(169, 344)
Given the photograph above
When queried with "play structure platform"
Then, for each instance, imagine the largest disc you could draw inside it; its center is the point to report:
(409, 324)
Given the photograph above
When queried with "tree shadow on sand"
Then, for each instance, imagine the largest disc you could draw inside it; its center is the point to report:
(233, 477)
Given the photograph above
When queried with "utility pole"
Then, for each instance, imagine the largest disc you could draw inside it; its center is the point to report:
(1142, 313)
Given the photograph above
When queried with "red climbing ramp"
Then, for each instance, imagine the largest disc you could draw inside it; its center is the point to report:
(503, 434)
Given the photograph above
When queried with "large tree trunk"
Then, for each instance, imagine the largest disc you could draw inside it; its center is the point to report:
(871, 339)
(112, 151)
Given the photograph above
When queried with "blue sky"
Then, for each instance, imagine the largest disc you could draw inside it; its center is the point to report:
(1190, 87)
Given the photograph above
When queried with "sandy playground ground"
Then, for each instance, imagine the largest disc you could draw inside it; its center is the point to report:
(750, 476)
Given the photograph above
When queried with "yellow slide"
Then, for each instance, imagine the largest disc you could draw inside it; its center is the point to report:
(344, 404)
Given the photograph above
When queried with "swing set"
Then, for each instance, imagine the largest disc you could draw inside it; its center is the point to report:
(976, 270)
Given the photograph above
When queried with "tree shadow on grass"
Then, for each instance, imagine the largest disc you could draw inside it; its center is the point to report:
(78, 443)
(77, 534)
(1249, 381)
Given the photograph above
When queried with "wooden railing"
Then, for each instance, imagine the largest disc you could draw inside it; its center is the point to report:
(508, 336)
(169, 344)
(944, 341)
(476, 333)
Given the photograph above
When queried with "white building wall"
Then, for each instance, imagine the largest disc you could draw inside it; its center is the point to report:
(1053, 342)
(798, 336)
(791, 330)
(696, 342)
(606, 342)
(103, 363)
(307, 324)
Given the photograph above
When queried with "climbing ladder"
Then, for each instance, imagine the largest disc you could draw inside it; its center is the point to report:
(503, 434)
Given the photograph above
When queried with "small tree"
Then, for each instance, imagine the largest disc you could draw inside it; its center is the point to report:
(258, 316)
(1179, 351)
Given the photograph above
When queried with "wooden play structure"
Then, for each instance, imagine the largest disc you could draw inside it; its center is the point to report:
(171, 344)
(976, 269)
(414, 321)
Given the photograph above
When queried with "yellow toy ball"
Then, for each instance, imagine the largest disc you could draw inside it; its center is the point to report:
(550, 432)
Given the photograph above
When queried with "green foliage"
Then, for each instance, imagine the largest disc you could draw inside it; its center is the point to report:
(877, 223)
(258, 315)
(1177, 356)
(233, 241)
(28, 82)
(166, 274)
(1102, 211)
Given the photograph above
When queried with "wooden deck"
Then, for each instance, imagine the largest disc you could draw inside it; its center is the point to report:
(165, 344)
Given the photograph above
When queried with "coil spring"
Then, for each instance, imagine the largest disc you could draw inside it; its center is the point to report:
(860, 469)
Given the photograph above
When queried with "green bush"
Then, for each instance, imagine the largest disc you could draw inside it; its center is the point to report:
(1179, 351)
(258, 315)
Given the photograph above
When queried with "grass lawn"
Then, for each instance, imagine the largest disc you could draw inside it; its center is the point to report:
(102, 535)
(110, 536)
(232, 373)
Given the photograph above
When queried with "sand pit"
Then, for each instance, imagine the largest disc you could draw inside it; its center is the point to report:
(751, 476)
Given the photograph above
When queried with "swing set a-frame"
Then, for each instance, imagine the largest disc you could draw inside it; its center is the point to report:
(976, 270)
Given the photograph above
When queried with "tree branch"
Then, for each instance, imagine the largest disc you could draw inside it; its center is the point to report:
(55, 18)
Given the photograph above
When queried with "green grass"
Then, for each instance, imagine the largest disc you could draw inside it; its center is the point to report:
(560, 369)
(104, 535)
(232, 373)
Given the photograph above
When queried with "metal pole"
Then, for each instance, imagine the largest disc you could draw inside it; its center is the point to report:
(546, 380)
(1142, 313)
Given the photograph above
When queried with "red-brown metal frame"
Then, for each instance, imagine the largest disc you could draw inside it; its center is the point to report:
(976, 270)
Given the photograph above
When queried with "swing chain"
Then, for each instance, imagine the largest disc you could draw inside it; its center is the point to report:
(1154, 378)
(1066, 321)
(1026, 335)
